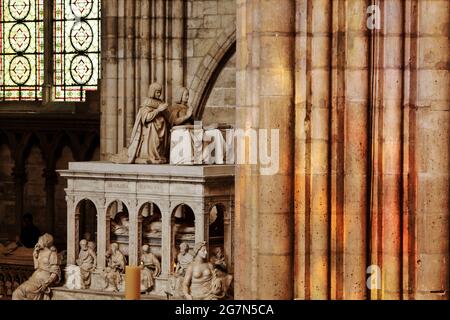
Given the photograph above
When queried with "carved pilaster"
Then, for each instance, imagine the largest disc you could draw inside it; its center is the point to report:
(166, 243)
(133, 238)
(103, 233)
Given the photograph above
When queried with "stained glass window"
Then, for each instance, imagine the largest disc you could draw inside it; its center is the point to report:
(76, 48)
(21, 49)
(73, 55)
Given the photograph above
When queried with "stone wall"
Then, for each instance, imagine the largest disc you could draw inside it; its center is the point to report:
(176, 43)
(221, 104)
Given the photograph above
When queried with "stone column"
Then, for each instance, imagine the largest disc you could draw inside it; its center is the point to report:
(387, 100)
(159, 64)
(349, 149)
(312, 107)
(176, 47)
(109, 91)
(429, 136)
(143, 71)
(265, 99)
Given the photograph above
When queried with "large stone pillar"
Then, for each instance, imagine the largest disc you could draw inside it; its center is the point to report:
(264, 204)
(349, 149)
(312, 105)
(109, 103)
(430, 149)
(387, 100)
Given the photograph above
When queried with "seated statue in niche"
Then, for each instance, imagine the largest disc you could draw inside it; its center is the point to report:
(184, 259)
(47, 272)
(150, 269)
(201, 281)
(120, 225)
(87, 261)
(91, 243)
(116, 263)
(189, 143)
(116, 259)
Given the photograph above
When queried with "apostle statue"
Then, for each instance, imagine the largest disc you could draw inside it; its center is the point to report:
(47, 272)
(149, 142)
(116, 263)
(87, 261)
(116, 259)
(184, 259)
(150, 269)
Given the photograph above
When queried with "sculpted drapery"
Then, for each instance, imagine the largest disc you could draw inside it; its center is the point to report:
(47, 272)
(149, 139)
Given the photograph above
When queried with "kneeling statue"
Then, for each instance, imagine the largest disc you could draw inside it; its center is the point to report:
(47, 272)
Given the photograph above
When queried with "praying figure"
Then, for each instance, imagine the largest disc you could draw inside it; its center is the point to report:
(149, 139)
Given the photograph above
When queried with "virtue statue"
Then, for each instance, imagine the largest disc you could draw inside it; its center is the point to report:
(87, 261)
(47, 272)
(202, 281)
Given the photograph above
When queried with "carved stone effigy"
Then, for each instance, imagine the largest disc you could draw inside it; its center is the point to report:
(167, 187)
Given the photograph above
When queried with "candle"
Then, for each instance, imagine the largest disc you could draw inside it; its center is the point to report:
(132, 283)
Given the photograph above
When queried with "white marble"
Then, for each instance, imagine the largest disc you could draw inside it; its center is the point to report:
(167, 186)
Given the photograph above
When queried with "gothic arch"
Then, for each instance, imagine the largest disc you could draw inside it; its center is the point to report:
(209, 69)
